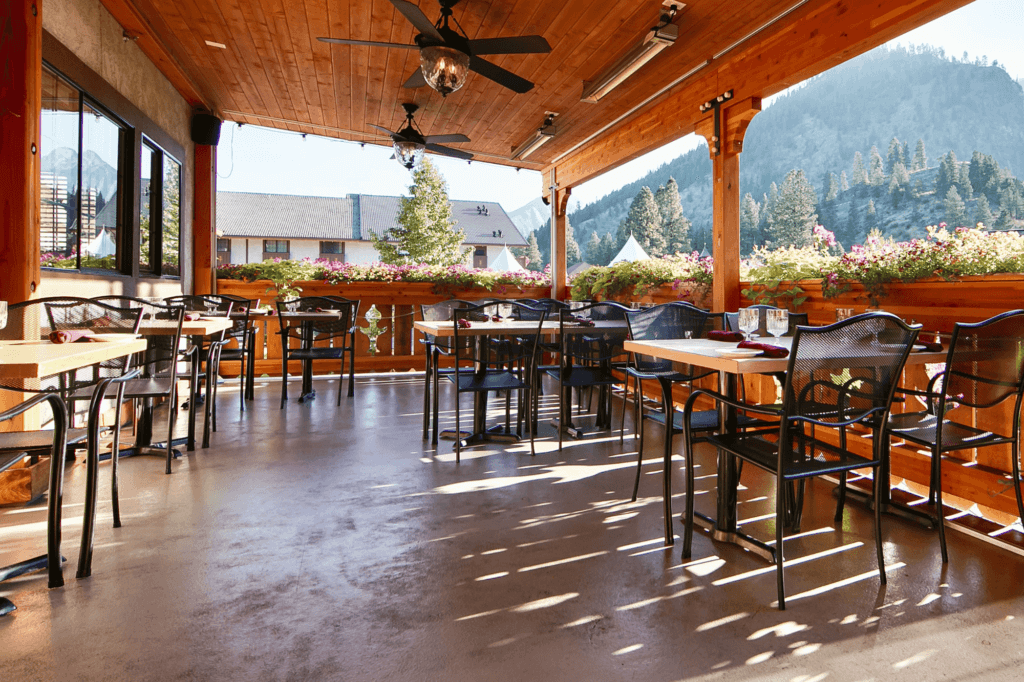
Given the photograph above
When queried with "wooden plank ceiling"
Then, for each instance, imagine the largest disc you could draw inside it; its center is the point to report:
(275, 73)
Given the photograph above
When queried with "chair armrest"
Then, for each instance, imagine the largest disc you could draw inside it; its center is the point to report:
(738, 404)
(23, 407)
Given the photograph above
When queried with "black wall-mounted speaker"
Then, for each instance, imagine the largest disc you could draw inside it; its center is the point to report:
(206, 129)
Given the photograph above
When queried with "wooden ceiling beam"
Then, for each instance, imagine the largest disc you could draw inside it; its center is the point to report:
(828, 32)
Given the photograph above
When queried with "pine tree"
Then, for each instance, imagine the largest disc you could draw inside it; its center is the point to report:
(895, 192)
(425, 232)
(956, 215)
(860, 174)
(832, 188)
(643, 222)
(607, 249)
(876, 175)
(1005, 219)
(982, 212)
(675, 226)
(893, 156)
(964, 182)
(750, 218)
(534, 262)
(844, 184)
(572, 249)
(920, 161)
(948, 174)
(794, 216)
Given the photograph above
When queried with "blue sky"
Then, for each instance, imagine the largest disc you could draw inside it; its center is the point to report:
(255, 159)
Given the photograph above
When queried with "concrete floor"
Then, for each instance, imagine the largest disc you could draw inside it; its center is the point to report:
(333, 543)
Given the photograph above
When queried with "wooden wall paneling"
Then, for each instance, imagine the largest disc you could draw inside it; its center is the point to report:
(340, 66)
(394, 73)
(275, 12)
(359, 24)
(237, 79)
(299, 29)
(244, 41)
(183, 18)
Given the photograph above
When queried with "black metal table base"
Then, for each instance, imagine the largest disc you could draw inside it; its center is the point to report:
(39, 563)
(308, 397)
(495, 433)
(751, 544)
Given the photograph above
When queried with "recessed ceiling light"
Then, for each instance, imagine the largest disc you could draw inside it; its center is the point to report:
(213, 44)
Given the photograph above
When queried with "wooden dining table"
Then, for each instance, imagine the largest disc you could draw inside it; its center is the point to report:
(34, 360)
(707, 353)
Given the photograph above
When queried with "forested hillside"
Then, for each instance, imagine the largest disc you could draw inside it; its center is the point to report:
(842, 149)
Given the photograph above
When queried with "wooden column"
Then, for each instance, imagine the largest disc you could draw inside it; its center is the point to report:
(559, 198)
(21, 40)
(728, 139)
(204, 222)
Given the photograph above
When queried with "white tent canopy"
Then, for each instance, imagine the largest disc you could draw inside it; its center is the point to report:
(102, 245)
(505, 262)
(631, 251)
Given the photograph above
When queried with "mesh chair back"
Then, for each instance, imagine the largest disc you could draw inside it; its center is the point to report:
(240, 313)
(442, 312)
(323, 330)
(985, 365)
(674, 320)
(163, 347)
(98, 317)
(602, 341)
(518, 348)
(847, 371)
(207, 305)
(795, 320)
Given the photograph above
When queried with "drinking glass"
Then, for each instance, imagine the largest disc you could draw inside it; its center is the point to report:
(844, 313)
(748, 320)
(777, 322)
(3, 314)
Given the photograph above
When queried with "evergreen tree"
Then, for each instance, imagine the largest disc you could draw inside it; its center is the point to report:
(876, 174)
(768, 208)
(675, 226)
(831, 188)
(964, 182)
(795, 215)
(1005, 219)
(947, 175)
(920, 161)
(607, 249)
(593, 249)
(894, 155)
(956, 215)
(900, 174)
(844, 184)
(535, 262)
(895, 192)
(572, 249)
(425, 232)
(750, 218)
(860, 174)
(643, 222)
(871, 216)
(982, 212)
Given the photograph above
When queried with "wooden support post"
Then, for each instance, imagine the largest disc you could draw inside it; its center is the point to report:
(559, 198)
(21, 41)
(724, 131)
(205, 220)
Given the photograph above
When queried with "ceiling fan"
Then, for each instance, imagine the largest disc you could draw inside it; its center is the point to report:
(410, 143)
(447, 54)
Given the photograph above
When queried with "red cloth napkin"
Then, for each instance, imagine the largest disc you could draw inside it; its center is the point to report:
(463, 323)
(717, 335)
(71, 336)
(769, 351)
(241, 310)
(192, 317)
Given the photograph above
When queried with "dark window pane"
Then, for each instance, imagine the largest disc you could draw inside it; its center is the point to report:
(331, 247)
(171, 221)
(58, 173)
(145, 210)
(100, 221)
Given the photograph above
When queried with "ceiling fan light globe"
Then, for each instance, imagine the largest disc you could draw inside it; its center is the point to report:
(408, 153)
(444, 68)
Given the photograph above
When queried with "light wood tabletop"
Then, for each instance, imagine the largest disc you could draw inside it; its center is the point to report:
(204, 326)
(30, 359)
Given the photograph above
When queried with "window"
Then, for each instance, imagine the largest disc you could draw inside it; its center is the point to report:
(275, 248)
(82, 178)
(480, 257)
(223, 252)
(332, 251)
(159, 183)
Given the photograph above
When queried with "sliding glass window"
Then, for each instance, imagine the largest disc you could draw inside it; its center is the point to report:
(159, 243)
(81, 177)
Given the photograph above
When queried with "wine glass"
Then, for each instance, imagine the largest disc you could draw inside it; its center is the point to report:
(748, 321)
(3, 314)
(777, 322)
(844, 313)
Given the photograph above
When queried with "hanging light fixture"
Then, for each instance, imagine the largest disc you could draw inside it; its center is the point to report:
(444, 68)
(408, 153)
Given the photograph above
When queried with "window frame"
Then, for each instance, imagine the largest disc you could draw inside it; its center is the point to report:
(219, 250)
(156, 210)
(336, 256)
(283, 255)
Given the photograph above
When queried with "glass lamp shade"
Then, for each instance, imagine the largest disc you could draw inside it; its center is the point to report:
(408, 153)
(444, 68)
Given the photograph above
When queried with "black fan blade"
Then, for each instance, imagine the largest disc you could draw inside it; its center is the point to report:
(417, 18)
(416, 80)
(499, 75)
(454, 137)
(516, 45)
(371, 43)
(385, 130)
(448, 151)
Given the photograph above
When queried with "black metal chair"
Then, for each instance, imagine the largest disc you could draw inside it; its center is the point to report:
(336, 337)
(161, 325)
(676, 320)
(434, 348)
(984, 368)
(482, 366)
(591, 354)
(874, 346)
(245, 349)
(205, 354)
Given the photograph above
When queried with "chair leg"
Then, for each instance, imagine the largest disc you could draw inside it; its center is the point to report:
(562, 412)
(170, 425)
(458, 426)
(284, 374)
(667, 457)
(842, 497)
(341, 378)
(208, 408)
(435, 380)
(780, 518)
(427, 375)
(1016, 481)
(878, 525)
(937, 472)
(115, 450)
(251, 389)
(91, 483)
(351, 369)
(688, 530)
